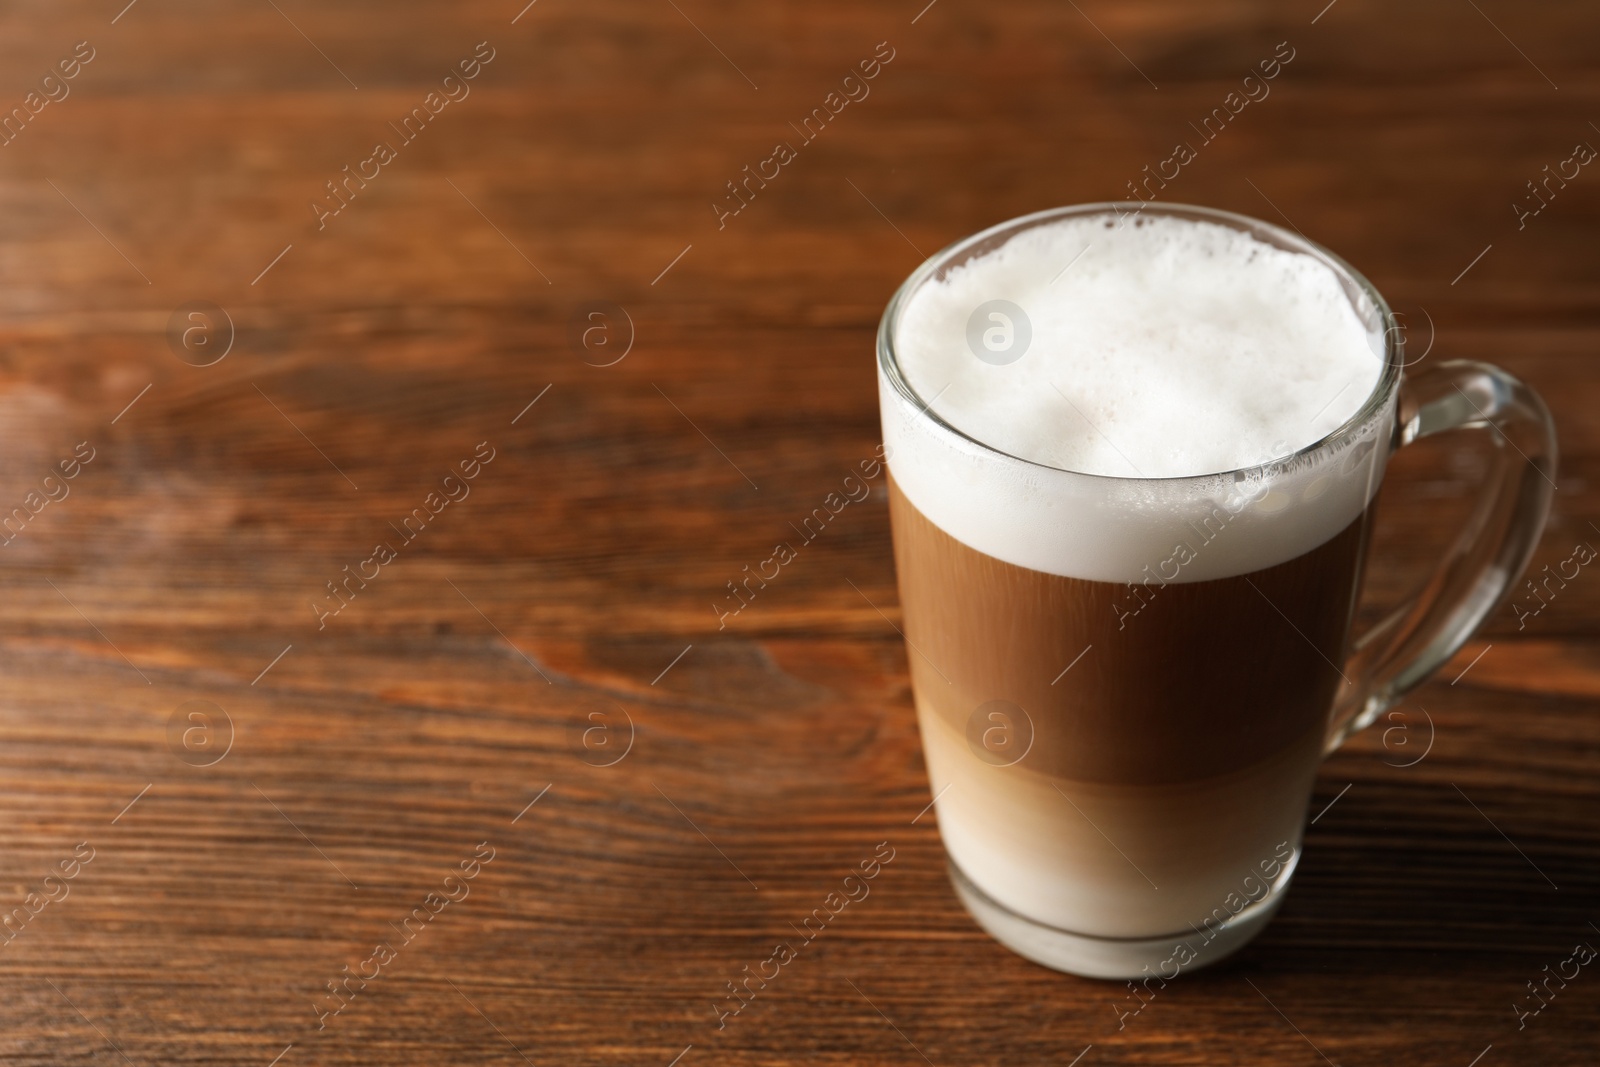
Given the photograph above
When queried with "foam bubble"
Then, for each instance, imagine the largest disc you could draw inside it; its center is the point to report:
(1162, 349)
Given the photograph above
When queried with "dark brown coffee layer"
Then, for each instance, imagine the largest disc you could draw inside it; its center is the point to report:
(1181, 681)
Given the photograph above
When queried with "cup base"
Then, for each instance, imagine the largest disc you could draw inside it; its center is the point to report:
(1114, 957)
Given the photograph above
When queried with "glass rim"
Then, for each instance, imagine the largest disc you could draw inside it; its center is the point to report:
(1382, 392)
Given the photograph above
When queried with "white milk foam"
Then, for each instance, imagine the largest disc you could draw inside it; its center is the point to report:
(1163, 348)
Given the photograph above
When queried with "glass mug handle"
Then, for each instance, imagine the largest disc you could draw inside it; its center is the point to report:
(1489, 554)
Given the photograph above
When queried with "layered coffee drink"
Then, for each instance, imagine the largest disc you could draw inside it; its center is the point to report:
(1128, 557)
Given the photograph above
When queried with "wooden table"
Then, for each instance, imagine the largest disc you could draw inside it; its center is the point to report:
(558, 614)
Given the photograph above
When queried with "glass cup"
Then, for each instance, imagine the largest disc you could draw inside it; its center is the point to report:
(1122, 762)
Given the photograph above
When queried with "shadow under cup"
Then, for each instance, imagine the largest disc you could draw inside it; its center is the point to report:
(1124, 685)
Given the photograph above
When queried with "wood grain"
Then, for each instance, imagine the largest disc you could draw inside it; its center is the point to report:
(373, 757)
